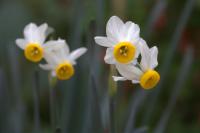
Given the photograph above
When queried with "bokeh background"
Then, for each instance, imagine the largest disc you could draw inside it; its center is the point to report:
(90, 102)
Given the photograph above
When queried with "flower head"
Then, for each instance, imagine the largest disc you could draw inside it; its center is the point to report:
(122, 41)
(32, 43)
(144, 73)
(59, 59)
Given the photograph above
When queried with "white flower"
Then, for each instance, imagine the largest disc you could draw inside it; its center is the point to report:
(59, 59)
(122, 41)
(32, 43)
(144, 73)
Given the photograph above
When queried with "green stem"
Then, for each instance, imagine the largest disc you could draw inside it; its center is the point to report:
(112, 115)
(36, 98)
(52, 100)
(112, 93)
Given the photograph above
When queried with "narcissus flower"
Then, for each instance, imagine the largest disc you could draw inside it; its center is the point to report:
(33, 42)
(59, 59)
(122, 41)
(144, 72)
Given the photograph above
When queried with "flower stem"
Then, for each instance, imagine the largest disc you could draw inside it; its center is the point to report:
(52, 108)
(112, 93)
(52, 100)
(112, 115)
(36, 98)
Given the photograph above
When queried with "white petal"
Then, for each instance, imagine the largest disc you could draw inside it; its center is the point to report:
(114, 27)
(145, 56)
(42, 31)
(125, 28)
(77, 53)
(21, 43)
(43, 27)
(46, 66)
(31, 33)
(135, 81)
(131, 32)
(130, 72)
(154, 55)
(49, 31)
(149, 56)
(109, 58)
(59, 49)
(104, 41)
(116, 78)
(56, 51)
(64, 45)
(138, 49)
(57, 45)
(51, 58)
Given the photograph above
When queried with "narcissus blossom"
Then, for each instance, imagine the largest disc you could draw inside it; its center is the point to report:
(59, 59)
(122, 41)
(33, 41)
(143, 72)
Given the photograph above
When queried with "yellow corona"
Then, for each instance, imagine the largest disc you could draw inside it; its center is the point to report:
(124, 52)
(149, 79)
(64, 71)
(33, 52)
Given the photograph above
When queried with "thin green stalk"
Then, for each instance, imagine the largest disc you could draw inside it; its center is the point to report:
(36, 99)
(52, 100)
(112, 115)
(112, 93)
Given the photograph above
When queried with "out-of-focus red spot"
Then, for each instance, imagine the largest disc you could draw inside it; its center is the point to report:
(161, 22)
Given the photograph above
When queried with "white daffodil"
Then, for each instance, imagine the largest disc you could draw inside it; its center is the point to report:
(121, 41)
(59, 59)
(144, 73)
(32, 43)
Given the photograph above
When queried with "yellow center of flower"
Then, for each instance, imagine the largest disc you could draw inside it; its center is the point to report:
(64, 71)
(124, 52)
(149, 79)
(33, 52)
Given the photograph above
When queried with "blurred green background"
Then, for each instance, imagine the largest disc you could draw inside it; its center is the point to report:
(83, 104)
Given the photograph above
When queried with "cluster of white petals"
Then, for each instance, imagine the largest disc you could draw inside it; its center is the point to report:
(119, 34)
(117, 31)
(34, 34)
(124, 46)
(55, 52)
(132, 71)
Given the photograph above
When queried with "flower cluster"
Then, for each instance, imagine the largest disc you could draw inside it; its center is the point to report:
(124, 46)
(56, 52)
